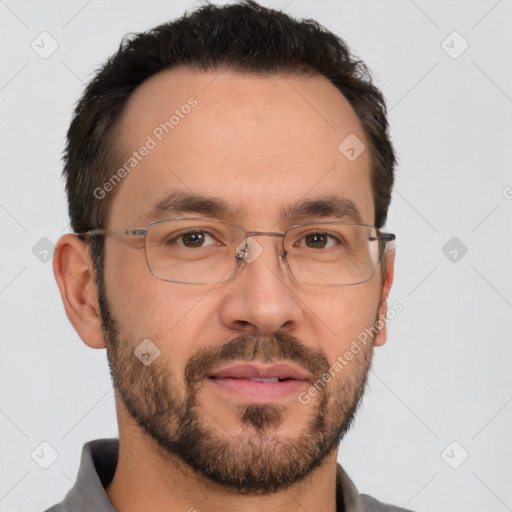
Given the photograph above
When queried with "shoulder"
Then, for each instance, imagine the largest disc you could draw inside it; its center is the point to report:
(373, 505)
(348, 498)
(97, 467)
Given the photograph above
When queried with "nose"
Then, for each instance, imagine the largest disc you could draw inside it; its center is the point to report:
(261, 298)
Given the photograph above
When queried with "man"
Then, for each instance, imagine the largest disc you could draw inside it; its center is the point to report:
(228, 175)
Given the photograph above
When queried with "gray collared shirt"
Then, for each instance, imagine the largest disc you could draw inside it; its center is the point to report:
(98, 465)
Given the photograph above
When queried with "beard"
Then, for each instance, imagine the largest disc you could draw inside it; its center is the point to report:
(260, 460)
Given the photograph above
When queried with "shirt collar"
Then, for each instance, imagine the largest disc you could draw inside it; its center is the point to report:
(99, 461)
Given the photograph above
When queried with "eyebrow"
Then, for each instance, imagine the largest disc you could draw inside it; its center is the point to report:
(179, 203)
(329, 206)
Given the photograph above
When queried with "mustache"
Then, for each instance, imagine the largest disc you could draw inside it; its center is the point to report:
(280, 346)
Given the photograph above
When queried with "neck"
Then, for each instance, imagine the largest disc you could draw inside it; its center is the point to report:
(147, 479)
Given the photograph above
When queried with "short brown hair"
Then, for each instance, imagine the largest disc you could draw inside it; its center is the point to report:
(241, 37)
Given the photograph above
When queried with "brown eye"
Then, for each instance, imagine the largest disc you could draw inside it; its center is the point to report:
(193, 239)
(316, 240)
(319, 240)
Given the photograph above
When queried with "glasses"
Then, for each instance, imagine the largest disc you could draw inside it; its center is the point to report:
(205, 251)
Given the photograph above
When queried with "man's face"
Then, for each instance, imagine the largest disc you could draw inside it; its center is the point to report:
(260, 146)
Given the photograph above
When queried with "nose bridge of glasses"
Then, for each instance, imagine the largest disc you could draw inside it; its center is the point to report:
(263, 233)
(249, 249)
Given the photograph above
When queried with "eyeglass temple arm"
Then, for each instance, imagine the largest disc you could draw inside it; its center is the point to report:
(120, 232)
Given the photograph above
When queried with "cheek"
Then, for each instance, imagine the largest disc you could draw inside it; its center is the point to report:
(173, 316)
(340, 315)
(127, 281)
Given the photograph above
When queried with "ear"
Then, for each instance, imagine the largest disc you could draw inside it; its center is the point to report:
(74, 273)
(388, 272)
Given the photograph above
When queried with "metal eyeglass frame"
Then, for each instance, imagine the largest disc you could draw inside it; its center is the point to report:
(382, 237)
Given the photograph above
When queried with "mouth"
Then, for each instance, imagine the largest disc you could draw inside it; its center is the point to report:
(259, 383)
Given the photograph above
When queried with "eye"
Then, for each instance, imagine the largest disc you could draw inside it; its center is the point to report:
(194, 239)
(318, 240)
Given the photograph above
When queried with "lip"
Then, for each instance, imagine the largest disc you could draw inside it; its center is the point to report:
(255, 371)
(243, 381)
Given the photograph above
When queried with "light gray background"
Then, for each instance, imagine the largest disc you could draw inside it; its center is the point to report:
(444, 374)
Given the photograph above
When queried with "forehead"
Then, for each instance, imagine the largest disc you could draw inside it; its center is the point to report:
(258, 143)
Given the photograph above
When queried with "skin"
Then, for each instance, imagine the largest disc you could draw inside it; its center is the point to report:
(260, 144)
